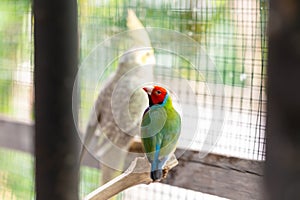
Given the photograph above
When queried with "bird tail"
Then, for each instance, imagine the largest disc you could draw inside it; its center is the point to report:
(156, 175)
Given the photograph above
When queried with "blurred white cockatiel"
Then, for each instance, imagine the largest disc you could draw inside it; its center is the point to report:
(111, 129)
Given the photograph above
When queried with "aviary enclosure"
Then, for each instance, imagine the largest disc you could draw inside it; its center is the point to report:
(217, 49)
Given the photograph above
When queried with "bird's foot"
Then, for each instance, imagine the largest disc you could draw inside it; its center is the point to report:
(165, 172)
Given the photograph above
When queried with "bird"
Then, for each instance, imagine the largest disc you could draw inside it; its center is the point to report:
(104, 137)
(160, 129)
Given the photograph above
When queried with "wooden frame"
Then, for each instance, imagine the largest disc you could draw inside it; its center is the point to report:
(219, 175)
(283, 108)
(56, 48)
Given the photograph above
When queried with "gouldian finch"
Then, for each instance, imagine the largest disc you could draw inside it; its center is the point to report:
(160, 129)
(103, 136)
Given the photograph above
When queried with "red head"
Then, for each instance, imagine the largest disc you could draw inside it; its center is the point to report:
(156, 94)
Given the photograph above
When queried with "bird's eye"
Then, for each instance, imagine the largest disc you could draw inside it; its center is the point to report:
(158, 92)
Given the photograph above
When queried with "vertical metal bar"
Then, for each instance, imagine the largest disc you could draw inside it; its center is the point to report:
(56, 59)
(283, 121)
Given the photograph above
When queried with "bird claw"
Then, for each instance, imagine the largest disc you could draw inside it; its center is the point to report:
(165, 172)
(172, 162)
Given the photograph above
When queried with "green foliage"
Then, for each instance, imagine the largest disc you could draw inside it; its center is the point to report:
(14, 45)
(89, 180)
(17, 176)
(210, 25)
(16, 171)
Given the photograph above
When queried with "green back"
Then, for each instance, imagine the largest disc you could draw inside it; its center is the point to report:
(160, 130)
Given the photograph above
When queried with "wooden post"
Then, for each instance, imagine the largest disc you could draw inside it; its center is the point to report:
(55, 57)
(283, 121)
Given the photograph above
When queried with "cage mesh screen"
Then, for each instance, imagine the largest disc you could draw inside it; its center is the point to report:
(16, 94)
(164, 191)
(232, 32)
(16, 71)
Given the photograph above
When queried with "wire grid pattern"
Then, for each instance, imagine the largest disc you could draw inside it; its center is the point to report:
(164, 191)
(16, 68)
(16, 175)
(16, 94)
(233, 34)
(237, 44)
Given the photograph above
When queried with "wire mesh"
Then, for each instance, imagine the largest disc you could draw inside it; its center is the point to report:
(232, 32)
(16, 94)
(164, 191)
(16, 175)
(16, 69)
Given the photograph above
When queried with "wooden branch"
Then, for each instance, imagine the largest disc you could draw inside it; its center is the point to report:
(219, 175)
(137, 173)
(16, 135)
(230, 177)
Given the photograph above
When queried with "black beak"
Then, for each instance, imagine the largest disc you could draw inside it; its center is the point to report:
(148, 90)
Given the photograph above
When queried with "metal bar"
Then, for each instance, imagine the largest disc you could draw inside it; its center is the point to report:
(55, 58)
(283, 119)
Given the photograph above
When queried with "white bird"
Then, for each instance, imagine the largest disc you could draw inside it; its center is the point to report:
(111, 129)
